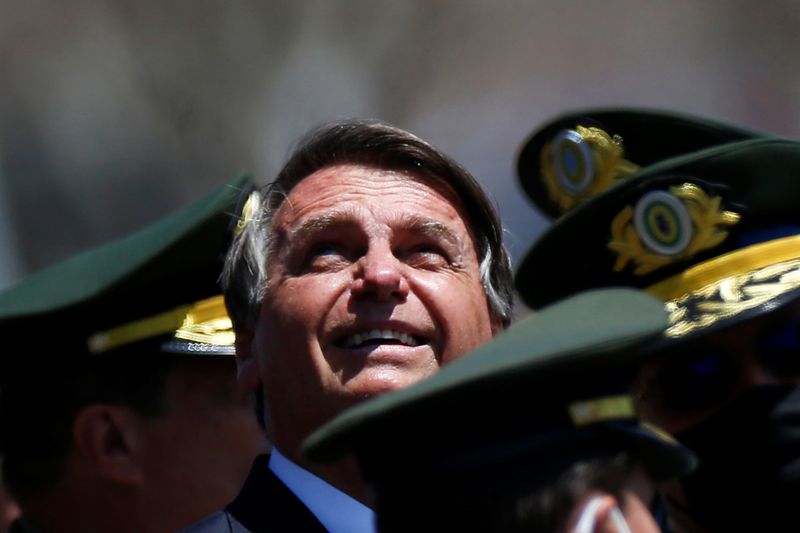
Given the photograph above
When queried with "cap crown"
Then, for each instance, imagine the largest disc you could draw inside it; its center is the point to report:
(173, 262)
(581, 153)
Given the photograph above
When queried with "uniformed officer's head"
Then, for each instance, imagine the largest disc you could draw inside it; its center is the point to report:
(535, 431)
(715, 234)
(120, 407)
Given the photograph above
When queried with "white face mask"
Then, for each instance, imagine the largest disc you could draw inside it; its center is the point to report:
(588, 517)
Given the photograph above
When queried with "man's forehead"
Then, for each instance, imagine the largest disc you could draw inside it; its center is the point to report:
(328, 190)
(344, 173)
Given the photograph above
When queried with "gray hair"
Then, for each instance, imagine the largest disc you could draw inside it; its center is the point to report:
(373, 144)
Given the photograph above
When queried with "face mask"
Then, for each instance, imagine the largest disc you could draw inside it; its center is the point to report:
(588, 518)
(749, 473)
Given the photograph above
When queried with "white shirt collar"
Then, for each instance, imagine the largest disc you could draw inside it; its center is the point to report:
(337, 511)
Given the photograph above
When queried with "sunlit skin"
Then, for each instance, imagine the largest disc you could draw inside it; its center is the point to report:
(359, 249)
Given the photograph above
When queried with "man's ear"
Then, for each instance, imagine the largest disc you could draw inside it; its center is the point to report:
(246, 362)
(109, 438)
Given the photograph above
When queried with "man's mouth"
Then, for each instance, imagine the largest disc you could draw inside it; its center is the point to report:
(378, 337)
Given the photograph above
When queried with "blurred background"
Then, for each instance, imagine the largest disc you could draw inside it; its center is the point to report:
(115, 112)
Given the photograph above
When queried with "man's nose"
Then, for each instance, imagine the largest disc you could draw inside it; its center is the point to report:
(380, 274)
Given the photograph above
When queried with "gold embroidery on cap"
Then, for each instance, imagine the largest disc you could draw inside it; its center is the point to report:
(741, 261)
(581, 163)
(730, 296)
(665, 227)
(205, 321)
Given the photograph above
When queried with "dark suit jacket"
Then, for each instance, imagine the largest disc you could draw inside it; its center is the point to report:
(264, 505)
(20, 526)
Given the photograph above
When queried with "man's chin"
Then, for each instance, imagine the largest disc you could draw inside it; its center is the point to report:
(376, 381)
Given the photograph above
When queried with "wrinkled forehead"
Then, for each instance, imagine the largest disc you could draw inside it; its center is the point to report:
(341, 177)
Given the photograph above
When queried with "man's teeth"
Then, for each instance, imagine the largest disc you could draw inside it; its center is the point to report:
(379, 335)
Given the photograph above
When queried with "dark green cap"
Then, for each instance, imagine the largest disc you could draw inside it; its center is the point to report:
(159, 283)
(715, 234)
(581, 153)
(550, 385)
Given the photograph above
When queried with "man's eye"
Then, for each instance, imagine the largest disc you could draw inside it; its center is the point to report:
(325, 256)
(325, 249)
(427, 254)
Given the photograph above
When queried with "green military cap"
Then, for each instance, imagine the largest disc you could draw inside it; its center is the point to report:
(715, 234)
(159, 284)
(580, 153)
(547, 390)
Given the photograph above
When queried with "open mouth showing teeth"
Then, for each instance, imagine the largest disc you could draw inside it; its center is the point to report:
(379, 336)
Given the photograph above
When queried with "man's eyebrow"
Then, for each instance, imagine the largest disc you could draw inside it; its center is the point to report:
(410, 223)
(431, 228)
(321, 223)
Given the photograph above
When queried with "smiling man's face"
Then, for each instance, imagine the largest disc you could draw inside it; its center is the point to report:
(373, 284)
